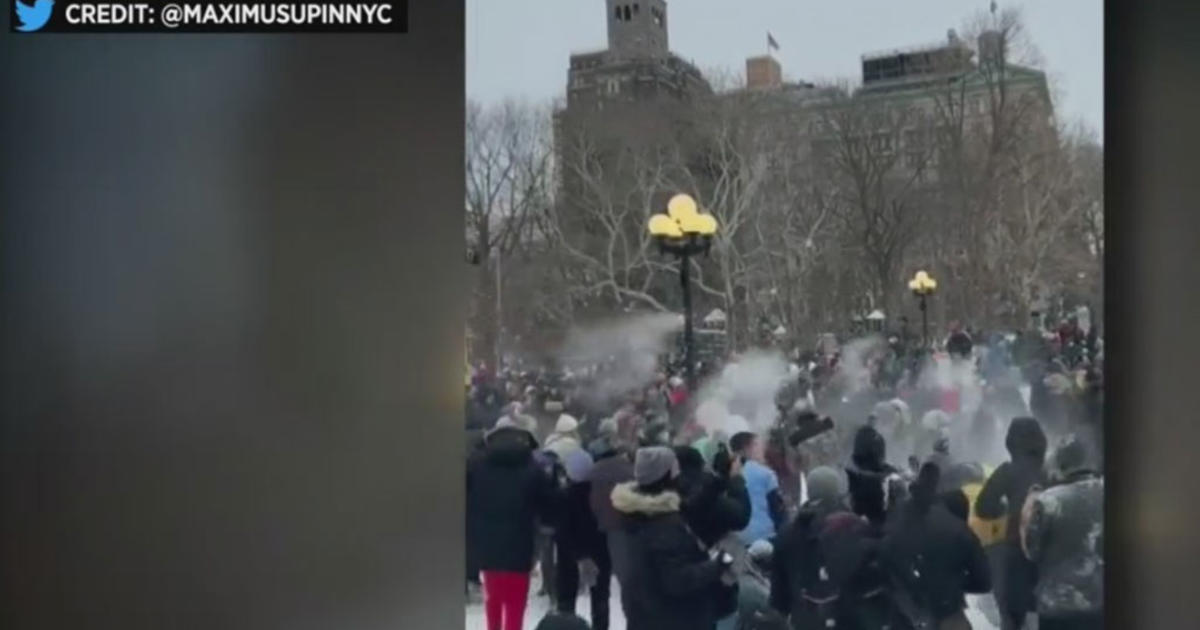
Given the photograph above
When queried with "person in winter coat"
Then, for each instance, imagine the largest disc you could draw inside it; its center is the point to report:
(507, 492)
(1064, 537)
(476, 453)
(714, 505)
(565, 437)
(552, 466)
(754, 592)
(1004, 493)
(783, 460)
(579, 542)
(959, 344)
(797, 588)
(612, 467)
(873, 483)
(934, 559)
(672, 580)
(768, 512)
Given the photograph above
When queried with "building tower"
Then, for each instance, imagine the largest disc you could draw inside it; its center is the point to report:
(637, 28)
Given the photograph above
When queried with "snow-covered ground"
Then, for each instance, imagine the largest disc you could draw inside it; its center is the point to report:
(539, 606)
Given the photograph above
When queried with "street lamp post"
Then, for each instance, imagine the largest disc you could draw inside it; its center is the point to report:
(684, 232)
(923, 285)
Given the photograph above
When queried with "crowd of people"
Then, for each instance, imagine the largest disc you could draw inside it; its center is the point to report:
(868, 502)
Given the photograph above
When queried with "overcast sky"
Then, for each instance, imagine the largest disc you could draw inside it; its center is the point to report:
(519, 48)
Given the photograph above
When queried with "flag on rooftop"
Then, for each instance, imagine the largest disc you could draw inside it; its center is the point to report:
(771, 43)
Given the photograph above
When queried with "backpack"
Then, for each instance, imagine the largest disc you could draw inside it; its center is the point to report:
(907, 590)
(838, 552)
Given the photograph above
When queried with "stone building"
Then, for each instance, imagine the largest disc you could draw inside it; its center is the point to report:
(623, 105)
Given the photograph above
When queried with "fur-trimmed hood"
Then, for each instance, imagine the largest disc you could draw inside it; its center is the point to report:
(627, 500)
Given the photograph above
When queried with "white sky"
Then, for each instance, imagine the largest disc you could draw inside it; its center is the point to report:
(519, 48)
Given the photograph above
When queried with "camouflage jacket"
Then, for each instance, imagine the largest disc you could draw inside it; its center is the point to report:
(1064, 536)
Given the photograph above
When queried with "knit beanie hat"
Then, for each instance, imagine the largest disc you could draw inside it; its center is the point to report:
(689, 458)
(653, 464)
(578, 465)
(566, 424)
(824, 484)
(1071, 456)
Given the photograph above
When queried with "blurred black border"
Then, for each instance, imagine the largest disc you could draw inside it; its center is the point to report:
(1152, 94)
(233, 304)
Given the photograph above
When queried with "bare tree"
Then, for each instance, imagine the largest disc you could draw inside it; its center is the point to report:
(1038, 226)
(507, 183)
(875, 162)
(729, 169)
(986, 113)
(793, 230)
(597, 227)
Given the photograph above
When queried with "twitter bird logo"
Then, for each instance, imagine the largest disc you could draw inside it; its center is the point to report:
(33, 17)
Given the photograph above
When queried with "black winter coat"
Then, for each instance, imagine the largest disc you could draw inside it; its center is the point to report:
(1005, 492)
(1009, 484)
(797, 561)
(672, 583)
(577, 527)
(714, 506)
(506, 493)
(826, 568)
(936, 558)
(873, 483)
(611, 468)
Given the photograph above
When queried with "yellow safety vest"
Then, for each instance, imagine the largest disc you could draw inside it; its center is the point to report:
(989, 531)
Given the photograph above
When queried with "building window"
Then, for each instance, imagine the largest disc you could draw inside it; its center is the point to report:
(636, 8)
(617, 13)
(627, 17)
(614, 86)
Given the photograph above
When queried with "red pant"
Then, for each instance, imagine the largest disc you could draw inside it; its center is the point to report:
(504, 596)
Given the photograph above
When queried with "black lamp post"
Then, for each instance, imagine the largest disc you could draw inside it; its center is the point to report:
(684, 232)
(923, 286)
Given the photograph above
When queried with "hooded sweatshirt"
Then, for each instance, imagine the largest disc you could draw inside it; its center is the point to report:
(1026, 444)
(871, 480)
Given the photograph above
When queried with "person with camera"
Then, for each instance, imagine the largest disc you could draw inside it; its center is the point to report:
(715, 506)
(768, 513)
(673, 580)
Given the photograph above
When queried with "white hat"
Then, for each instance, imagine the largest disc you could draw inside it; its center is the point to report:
(566, 424)
(507, 422)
